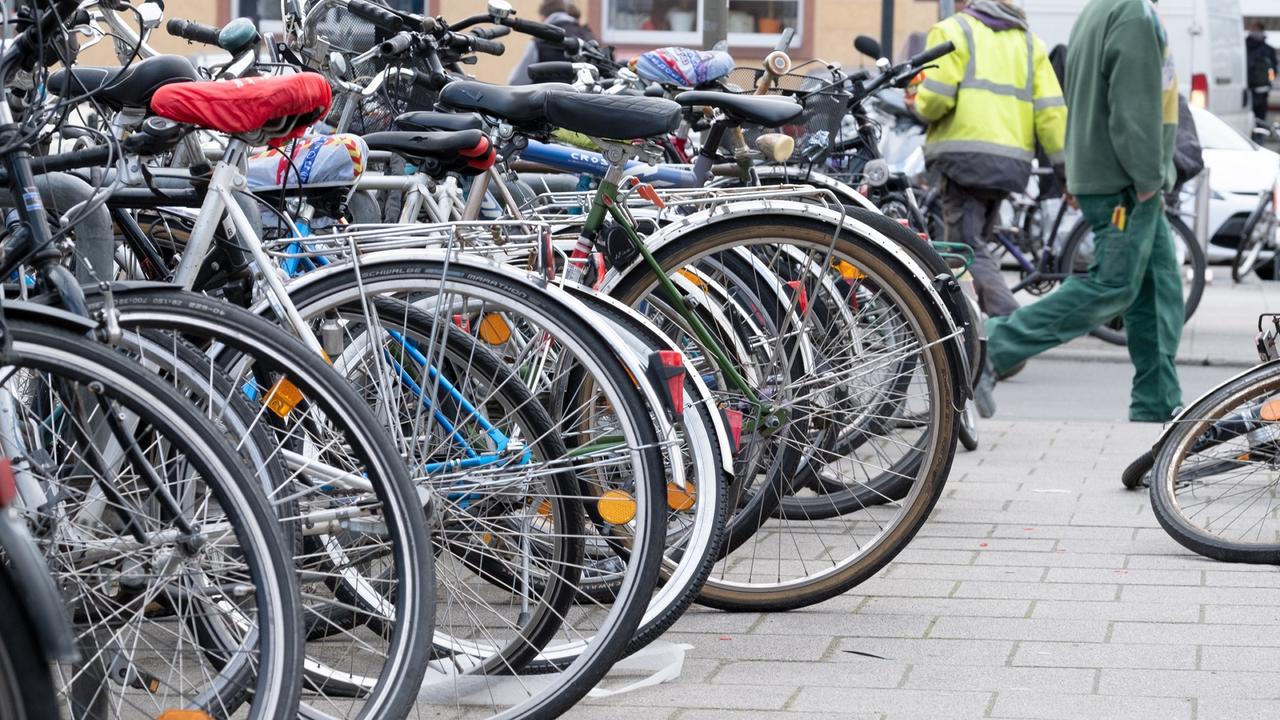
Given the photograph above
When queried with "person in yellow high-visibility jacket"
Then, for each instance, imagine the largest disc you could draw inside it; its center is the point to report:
(987, 104)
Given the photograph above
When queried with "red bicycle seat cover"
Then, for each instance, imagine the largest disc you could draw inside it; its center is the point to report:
(246, 104)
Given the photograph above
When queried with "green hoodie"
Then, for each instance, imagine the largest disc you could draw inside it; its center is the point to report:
(1120, 89)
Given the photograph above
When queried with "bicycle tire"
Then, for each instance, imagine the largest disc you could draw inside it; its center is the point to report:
(492, 286)
(247, 338)
(276, 674)
(721, 591)
(1253, 239)
(1113, 331)
(1203, 428)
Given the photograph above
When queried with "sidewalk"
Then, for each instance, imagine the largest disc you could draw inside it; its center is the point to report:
(1040, 588)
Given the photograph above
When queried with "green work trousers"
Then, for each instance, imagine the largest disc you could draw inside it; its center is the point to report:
(1134, 274)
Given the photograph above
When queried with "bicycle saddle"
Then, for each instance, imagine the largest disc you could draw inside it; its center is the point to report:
(131, 87)
(521, 105)
(278, 107)
(683, 66)
(768, 111)
(425, 120)
(465, 151)
(612, 116)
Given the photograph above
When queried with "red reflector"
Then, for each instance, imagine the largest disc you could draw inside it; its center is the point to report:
(802, 295)
(463, 323)
(8, 485)
(733, 418)
(666, 368)
(904, 222)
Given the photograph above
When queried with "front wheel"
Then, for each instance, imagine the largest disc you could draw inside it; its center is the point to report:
(1258, 235)
(1077, 256)
(1215, 478)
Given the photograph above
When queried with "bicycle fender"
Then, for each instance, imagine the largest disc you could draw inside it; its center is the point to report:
(37, 311)
(755, 209)
(42, 604)
(1184, 413)
(589, 296)
(790, 175)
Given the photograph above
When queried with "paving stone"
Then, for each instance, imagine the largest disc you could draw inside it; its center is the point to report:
(1103, 655)
(933, 650)
(1001, 679)
(1051, 706)
(712, 695)
(917, 703)
(795, 674)
(1125, 576)
(967, 572)
(963, 607)
(1037, 591)
(842, 624)
(1051, 559)
(1242, 614)
(1019, 629)
(1189, 683)
(1238, 658)
(905, 587)
(780, 715)
(1153, 612)
(713, 621)
(1228, 708)
(752, 647)
(1185, 634)
(1202, 595)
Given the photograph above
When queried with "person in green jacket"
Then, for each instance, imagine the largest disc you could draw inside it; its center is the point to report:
(1122, 98)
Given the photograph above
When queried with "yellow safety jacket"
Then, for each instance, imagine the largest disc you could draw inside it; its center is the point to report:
(988, 103)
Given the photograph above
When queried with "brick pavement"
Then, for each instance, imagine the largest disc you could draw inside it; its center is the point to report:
(1038, 589)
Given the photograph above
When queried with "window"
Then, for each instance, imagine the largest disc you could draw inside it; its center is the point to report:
(267, 12)
(752, 23)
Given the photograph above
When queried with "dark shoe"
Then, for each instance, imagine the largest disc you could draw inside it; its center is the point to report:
(1011, 371)
(984, 390)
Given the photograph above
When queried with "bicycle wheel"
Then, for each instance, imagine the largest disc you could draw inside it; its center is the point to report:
(359, 537)
(1214, 488)
(787, 563)
(181, 593)
(1077, 256)
(1257, 234)
(497, 503)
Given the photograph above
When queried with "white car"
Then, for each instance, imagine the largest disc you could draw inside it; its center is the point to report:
(1239, 170)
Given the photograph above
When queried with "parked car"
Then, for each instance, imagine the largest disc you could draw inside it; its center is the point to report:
(1239, 170)
(1208, 48)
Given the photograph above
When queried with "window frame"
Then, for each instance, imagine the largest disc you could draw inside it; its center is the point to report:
(661, 38)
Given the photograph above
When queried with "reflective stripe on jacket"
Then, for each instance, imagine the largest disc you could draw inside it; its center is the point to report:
(988, 103)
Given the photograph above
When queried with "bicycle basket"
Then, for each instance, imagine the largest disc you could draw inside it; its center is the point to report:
(329, 25)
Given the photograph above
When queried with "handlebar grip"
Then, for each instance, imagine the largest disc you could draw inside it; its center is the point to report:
(552, 71)
(542, 31)
(193, 31)
(396, 45)
(480, 45)
(492, 33)
(376, 14)
(96, 156)
(933, 53)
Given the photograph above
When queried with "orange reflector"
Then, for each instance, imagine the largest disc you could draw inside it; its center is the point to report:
(617, 507)
(8, 483)
(494, 330)
(544, 508)
(849, 272)
(697, 281)
(283, 398)
(646, 191)
(184, 715)
(1243, 458)
(1270, 411)
(681, 499)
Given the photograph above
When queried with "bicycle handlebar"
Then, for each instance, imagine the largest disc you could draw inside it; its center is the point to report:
(931, 54)
(542, 31)
(193, 31)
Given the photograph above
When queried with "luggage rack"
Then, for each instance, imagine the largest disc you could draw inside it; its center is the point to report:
(543, 207)
(498, 239)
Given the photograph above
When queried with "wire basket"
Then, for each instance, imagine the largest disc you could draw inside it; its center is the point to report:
(822, 123)
(329, 25)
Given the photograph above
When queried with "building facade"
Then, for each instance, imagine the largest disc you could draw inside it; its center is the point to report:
(825, 28)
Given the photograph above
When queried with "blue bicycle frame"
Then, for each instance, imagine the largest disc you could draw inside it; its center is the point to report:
(586, 162)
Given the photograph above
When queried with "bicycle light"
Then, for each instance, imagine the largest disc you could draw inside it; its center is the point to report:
(776, 147)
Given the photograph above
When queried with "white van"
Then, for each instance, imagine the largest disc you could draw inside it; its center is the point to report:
(1208, 46)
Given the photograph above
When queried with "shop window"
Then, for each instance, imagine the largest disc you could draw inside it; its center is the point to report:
(752, 23)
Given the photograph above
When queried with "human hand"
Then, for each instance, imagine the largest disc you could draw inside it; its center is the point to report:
(1070, 200)
(1143, 197)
